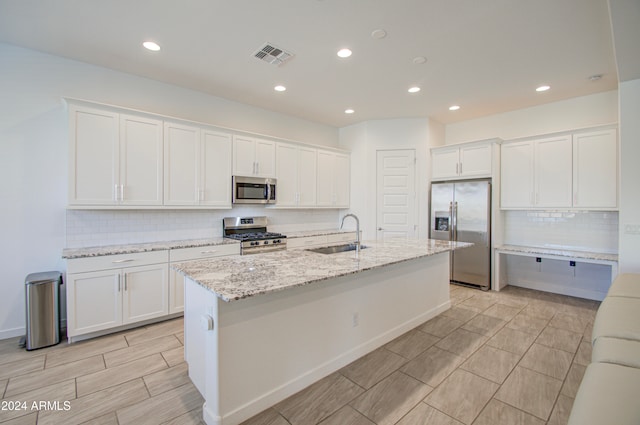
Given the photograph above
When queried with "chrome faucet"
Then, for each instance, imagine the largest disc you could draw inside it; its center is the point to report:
(357, 230)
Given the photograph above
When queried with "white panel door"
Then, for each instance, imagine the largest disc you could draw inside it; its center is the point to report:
(595, 170)
(307, 177)
(93, 301)
(395, 194)
(553, 172)
(93, 156)
(287, 175)
(517, 175)
(214, 187)
(141, 161)
(180, 164)
(145, 293)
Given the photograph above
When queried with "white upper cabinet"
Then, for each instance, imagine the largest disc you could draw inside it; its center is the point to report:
(566, 171)
(536, 173)
(254, 157)
(595, 170)
(115, 159)
(468, 161)
(93, 156)
(181, 163)
(516, 176)
(333, 180)
(197, 167)
(296, 173)
(553, 177)
(215, 169)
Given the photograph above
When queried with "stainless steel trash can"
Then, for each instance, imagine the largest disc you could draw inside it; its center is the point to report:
(43, 309)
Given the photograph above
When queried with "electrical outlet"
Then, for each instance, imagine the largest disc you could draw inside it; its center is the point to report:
(355, 320)
(632, 229)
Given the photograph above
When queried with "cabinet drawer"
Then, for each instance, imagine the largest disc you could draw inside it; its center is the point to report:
(342, 237)
(307, 242)
(195, 253)
(118, 261)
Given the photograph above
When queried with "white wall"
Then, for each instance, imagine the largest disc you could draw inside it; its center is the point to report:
(33, 152)
(630, 176)
(571, 114)
(365, 139)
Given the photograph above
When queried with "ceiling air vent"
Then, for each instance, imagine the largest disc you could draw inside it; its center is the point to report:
(272, 54)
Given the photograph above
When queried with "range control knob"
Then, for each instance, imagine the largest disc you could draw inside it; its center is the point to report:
(266, 242)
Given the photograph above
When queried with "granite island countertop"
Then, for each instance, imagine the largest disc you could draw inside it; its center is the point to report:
(237, 277)
(97, 251)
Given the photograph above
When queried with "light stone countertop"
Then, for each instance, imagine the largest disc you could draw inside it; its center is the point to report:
(308, 233)
(236, 277)
(598, 256)
(98, 251)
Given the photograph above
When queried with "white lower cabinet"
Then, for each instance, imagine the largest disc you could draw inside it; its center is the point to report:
(176, 279)
(114, 290)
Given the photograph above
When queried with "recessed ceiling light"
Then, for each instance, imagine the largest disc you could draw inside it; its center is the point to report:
(279, 88)
(344, 53)
(379, 33)
(454, 107)
(419, 60)
(150, 45)
(349, 111)
(543, 88)
(414, 89)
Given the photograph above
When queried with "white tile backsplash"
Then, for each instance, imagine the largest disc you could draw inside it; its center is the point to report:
(86, 228)
(595, 231)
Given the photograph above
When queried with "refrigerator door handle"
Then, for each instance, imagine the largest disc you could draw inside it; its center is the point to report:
(450, 221)
(455, 221)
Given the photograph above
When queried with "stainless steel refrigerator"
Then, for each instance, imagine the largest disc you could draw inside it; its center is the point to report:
(461, 211)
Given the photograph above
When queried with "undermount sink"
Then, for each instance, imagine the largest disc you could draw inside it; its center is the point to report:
(336, 249)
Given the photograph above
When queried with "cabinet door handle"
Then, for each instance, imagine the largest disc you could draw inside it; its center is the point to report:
(126, 260)
(125, 281)
(121, 192)
(211, 251)
(457, 166)
(257, 167)
(118, 283)
(461, 168)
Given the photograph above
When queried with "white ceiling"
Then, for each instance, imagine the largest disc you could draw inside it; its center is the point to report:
(487, 56)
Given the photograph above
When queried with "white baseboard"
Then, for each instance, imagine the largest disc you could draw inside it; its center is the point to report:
(12, 333)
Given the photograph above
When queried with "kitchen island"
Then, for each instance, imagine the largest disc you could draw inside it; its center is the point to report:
(259, 328)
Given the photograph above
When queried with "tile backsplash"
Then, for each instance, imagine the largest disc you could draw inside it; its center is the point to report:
(86, 228)
(595, 231)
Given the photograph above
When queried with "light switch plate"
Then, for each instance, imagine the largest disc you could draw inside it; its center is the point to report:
(632, 229)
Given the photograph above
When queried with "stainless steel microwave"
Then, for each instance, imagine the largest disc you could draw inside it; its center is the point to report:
(253, 190)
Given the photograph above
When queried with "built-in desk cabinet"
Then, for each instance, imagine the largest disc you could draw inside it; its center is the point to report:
(114, 158)
(577, 170)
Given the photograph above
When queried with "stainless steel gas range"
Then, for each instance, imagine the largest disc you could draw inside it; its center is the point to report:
(252, 234)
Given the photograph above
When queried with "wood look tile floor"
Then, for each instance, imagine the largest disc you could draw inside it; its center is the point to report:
(500, 358)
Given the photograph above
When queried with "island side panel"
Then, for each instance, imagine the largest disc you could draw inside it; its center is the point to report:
(271, 346)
